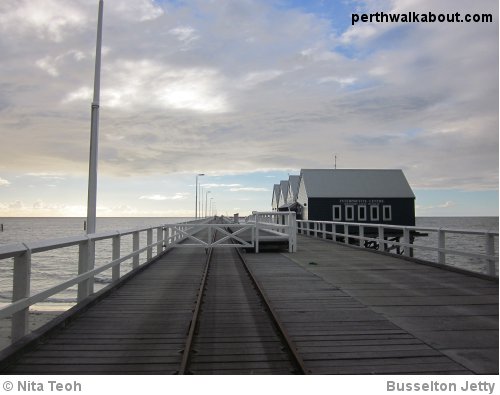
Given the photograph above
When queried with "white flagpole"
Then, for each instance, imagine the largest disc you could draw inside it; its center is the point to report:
(94, 131)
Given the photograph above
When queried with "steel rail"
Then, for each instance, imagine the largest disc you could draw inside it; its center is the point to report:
(186, 352)
(291, 348)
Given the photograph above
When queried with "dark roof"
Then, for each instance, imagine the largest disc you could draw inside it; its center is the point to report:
(294, 184)
(284, 188)
(356, 183)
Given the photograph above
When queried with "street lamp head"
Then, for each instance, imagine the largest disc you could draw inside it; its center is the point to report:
(201, 174)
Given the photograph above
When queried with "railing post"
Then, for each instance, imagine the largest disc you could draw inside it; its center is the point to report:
(167, 236)
(346, 234)
(256, 234)
(21, 290)
(334, 232)
(115, 272)
(149, 241)
(135, 247)
(381, 242)
(490, 251)
(406, 240)
(159, 240)
(292, 232)
(83, 267)
(361, 235)
(441, 245)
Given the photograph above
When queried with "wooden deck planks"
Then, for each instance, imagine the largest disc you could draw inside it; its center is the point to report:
(235, 334)
(139, 329)
(342, 318)
(454, 313)
(350, 312)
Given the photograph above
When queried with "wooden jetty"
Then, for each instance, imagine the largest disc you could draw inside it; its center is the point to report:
(342, 310)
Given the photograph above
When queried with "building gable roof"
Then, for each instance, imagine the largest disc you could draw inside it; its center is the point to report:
(276, 193)
(294, 185)
(284, 191)
(356, 183)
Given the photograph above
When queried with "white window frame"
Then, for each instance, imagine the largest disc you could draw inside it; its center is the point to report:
(389, 217)
(339, 218)
(377, 209)
(362, 218)
(346, 212)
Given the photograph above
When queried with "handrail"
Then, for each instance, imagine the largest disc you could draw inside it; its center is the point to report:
(22, 254)
(167, 236)
(318, 229)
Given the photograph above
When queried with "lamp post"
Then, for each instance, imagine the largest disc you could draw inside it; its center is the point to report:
(196, 201)
(94, 129)
(210, 210)
(201, 202)
(86, 261)
(206, 200)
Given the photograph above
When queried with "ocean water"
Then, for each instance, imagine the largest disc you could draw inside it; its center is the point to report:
(53, 267)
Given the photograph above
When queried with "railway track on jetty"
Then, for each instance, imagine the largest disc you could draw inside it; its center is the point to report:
(197, 311)
(234, 329)
(191, 312)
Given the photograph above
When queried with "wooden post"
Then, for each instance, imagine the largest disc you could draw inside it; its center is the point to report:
(441, 245)
(406, 240)
(135, 247)
(346, 234)
(294, 231)
(21, 290)
(159, 240)
(149, 241)
(115, 272)
(256, 234)
(490, 251)
(361, 235)
(381, 243)
(83, 267)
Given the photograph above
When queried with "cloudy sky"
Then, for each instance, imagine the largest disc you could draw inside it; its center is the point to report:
(247, 92)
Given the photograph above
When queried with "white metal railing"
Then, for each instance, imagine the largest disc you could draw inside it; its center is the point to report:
(186, 234)
(191, 235)
(274, 224)
(355, 233)
(166, 237)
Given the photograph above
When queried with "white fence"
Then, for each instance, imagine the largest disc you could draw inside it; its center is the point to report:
(274, 225)
(359, 233)
(158, 238)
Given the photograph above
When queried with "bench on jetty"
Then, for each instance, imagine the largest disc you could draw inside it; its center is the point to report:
(348, 310)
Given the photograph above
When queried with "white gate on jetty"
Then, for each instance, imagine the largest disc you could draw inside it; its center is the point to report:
(261, 226)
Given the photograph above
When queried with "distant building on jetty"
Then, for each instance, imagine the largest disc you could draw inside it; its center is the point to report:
(348, 195)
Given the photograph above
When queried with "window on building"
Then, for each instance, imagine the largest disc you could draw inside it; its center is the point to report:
(349, 213)
(362, 213)
(337, 213)
(387, 213)
(374, 213)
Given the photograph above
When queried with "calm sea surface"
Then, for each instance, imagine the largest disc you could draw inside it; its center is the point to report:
(52, 267)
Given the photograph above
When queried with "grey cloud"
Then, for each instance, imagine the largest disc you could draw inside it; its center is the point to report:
(250, 87)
